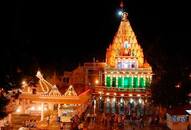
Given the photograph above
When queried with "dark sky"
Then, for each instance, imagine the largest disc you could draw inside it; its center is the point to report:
(63, 34)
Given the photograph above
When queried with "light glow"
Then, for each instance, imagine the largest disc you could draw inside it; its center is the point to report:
(39, 108)
(120, 13)
(96, 81)
(18, 110)
(130, 95)
(131, 100)
(23, 82)
(32, 108)
(140, 101)
(114, 99)
(108, 100)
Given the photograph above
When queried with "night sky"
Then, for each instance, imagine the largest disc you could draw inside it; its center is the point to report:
(61, 35)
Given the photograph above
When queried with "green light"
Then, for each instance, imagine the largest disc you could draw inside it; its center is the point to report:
(125, 82)
(130, 82)
(120, 82)
(142, 84)
(114, 82)
(108, 81)
(135, 82)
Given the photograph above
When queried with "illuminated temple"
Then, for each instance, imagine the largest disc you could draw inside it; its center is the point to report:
(121, 83)
(118, 85)
(126, 68)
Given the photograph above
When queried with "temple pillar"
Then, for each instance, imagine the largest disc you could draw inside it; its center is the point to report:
(59, 112)
(9, 118)
(116, 82)
(23, 106)
(111, 81)
(42, 112)
(100, 78)
(105, 81)
(122, 84)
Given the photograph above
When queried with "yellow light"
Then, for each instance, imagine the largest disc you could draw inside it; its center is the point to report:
(107, 93)
(23, 82)
(130, 95)
(122, 95)
(32, 108)
(39, 108)
(115, 94)
(138, 95)
(18, 110)
(96, 81)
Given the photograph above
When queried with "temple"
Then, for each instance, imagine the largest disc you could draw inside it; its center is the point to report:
(118, 85)
(126, 67)
(121, 83)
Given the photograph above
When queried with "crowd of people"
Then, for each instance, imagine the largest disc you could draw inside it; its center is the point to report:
(30, 123)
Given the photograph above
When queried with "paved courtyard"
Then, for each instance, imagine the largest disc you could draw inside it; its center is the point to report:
(127, 126)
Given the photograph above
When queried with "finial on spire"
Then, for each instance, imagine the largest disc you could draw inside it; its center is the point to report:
(121, 4)
(124, 16)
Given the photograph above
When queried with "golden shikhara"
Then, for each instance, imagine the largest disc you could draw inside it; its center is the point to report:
(125, 45)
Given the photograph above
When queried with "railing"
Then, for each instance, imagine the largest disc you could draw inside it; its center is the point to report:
(99, 88)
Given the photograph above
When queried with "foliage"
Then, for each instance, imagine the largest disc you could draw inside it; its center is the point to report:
(3, 102)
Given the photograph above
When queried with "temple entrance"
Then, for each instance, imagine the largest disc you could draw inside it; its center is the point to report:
(108, 105)
(101, 104)
(113, 105)
(140, 107)
(122, 106)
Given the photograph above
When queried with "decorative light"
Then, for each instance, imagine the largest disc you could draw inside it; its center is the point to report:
(18, 110)
(120, 13)
(107, 93)
(96, 81)
(140, 100)
(107, 99)
(121, 100)
(138, 95)
(115, 94)
(39, 108)
(114, 99)
(32, 108)
(39, 75)
(178, 86)
(130, 95)
(131, 100)
(23, 82)
(122, 95)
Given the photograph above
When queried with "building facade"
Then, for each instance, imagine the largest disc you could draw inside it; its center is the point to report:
(121, 84)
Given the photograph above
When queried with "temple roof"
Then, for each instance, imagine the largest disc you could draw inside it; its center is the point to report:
(124, 44)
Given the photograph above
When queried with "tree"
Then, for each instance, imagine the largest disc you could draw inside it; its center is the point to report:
(9, 85)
